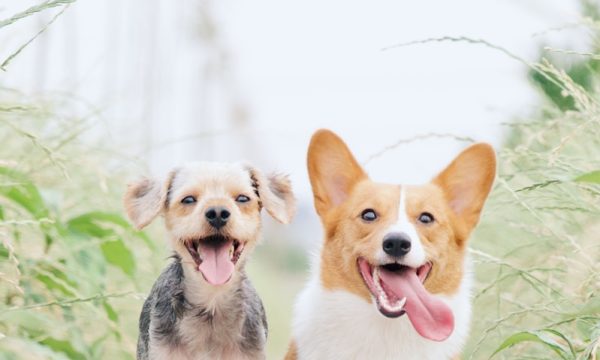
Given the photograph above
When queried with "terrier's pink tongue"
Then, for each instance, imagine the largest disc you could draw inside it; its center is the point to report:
(216, 265)
(430, 316)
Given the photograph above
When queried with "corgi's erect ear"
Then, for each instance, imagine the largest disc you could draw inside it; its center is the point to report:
(467, 182)
(332, 169)
(275, 193)
(145, 199)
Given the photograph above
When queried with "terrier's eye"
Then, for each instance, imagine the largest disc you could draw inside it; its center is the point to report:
(188, 200)
(426, 218)
(242, 199)
(368, 215)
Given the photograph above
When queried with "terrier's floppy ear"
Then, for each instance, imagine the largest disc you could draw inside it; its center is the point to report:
(145, 199)
(467, 182)
(275, 193)
(332, 169)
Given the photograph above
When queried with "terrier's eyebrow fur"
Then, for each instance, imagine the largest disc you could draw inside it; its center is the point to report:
(255, 187)
(171, 180)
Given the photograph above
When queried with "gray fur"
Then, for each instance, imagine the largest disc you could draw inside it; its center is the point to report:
(169, 321)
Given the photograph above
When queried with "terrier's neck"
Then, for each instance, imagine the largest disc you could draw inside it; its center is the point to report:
(199, 293)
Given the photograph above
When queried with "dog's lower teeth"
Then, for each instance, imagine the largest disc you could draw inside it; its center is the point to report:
(401, 303)
(378, 283)
(398, 306)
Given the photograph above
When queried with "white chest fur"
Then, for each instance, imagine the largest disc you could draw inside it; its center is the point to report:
(340, 325)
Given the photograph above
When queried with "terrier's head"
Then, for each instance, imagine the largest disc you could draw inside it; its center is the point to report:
(212, 212)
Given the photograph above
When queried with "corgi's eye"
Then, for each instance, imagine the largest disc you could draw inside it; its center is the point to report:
(188, 200)
(426, 218)
(242, 199)
(368, 215)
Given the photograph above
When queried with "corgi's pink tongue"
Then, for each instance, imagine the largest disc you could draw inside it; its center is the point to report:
(216, 265)
(430, 316)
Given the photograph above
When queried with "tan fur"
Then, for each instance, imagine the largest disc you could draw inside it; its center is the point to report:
(342, 190)
(332, 177)
(211, 185)
(466, 183)
(276, 195)
(147, 198)
(292, 353)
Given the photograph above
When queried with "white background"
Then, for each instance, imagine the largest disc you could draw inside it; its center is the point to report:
(175, 81)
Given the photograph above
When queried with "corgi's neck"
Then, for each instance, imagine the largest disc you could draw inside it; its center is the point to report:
(338, 324)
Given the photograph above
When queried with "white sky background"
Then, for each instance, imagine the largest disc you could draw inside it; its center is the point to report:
(275, 71)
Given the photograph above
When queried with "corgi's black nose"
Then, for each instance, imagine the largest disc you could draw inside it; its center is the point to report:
(396, 244)
(217, 216)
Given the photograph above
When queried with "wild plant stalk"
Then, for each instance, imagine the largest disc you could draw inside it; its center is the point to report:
(49, 4)
(68, 260)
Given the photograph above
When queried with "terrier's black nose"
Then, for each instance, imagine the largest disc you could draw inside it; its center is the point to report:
(217, 216)
(396, 244)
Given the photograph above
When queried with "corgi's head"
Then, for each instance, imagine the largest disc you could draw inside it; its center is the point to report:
(397, 245)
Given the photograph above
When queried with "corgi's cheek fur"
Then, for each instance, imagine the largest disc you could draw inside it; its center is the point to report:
(350, 237)
(339, 269)
(442, 246)
(398, 209)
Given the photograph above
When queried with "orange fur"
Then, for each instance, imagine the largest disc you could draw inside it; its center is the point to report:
(342, 190)
(456, 197)
(292, 353)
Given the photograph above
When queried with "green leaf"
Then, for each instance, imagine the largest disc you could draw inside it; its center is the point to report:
(100, 216)
(25, 194)
(542, 337)
(91, 224)
(565, 339)
(591, 177)
(102, 225)
(55, 279)
(110, 312)
(64, 347)
(89, 228)
(116, 253)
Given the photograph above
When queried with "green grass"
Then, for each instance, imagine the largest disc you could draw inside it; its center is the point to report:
(537, 248)
(277, 283)
(73, 270)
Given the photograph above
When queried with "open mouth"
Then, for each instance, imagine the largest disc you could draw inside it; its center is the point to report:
(215, 257)
(399, 290)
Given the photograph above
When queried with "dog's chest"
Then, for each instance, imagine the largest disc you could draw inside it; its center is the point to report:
(201, 337)
(340, 325)
(218, 336)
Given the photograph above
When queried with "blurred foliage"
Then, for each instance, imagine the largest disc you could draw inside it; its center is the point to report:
(581, 73)
(70, 263)
(537, 250)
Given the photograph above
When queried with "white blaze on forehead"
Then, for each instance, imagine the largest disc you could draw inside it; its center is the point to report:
(416, 256)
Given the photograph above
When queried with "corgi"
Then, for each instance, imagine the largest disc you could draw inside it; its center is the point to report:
(392, 280)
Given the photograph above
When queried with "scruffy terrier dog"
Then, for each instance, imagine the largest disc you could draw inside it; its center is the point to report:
(203, 306)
